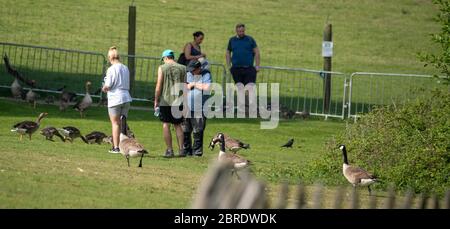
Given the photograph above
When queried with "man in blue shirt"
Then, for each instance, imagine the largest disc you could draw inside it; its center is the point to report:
(242, 51)
(198, 84)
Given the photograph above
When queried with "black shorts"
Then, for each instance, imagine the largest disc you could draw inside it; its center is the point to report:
(165, 114)
(243, 75)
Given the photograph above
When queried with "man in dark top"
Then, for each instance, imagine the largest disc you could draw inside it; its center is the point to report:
(242, 52)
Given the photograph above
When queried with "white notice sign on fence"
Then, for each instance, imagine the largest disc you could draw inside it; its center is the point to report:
(327, 48)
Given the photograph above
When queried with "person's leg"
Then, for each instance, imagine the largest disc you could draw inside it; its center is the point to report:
(187, 130)
(167, 136)
(199, 125)
(115, 122)
(180, 136)
(114, 117)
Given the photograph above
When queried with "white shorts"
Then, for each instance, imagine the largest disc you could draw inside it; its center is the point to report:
(118, 110)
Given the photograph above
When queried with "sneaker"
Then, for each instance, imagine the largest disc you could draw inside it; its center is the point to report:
(198, 154)
(114, 150)
(169, 153)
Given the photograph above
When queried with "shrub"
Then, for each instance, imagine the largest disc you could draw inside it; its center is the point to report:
(407, 146)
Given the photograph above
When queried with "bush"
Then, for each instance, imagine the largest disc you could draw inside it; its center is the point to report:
(407, 146)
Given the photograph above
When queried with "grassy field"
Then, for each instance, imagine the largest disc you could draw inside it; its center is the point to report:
(44, 174)
(374, 37)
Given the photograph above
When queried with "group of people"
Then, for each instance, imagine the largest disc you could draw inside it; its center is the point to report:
(184, 110)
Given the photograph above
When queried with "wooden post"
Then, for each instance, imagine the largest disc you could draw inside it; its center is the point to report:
(327, 37)
(132, 43)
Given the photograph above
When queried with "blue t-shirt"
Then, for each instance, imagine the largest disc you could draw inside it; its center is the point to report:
(242, 51)
(196, 97)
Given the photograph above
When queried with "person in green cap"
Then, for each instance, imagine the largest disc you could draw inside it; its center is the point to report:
(171, 78)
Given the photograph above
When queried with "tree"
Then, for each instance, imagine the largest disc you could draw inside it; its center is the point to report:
(441, 61)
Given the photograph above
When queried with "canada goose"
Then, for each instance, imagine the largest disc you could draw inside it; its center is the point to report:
(238, 162)
(28, 127)
(108, 139)
(66, 98)
(355, 175)
(231, 144)
(50, 131)
(95, 137)
(289, 143)
(86, 102)
(70, 133)
(129, 147)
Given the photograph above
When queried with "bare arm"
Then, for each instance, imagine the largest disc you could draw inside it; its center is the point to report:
(187, 52)
(228, 58)
(158, 88)
(256, 51)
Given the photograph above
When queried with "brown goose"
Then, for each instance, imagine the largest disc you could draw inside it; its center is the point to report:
(70, 133)
(66, 98)
(238, 162)
(49, 132)
(129, 147)
(231, 144)
(28, 127)
(86, 102)
(355, 175)
(95, 137)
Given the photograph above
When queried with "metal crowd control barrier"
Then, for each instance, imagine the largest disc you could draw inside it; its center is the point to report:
(146, 72)
(301, 90)
(372, 89)
(52, 68)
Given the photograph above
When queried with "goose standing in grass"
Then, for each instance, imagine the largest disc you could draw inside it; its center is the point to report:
(49, 132)
(95, 137)
(70, 133)
(238, 162)
(66, 98)
(129, 147)
(86, 102)
(355, 175)
(28, 127)
(231, 144)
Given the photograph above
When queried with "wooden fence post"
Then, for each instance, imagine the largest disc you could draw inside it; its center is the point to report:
(327, 47)
(132, 43)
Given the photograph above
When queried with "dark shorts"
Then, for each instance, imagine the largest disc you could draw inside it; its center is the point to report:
(165, 114)
(243, 75)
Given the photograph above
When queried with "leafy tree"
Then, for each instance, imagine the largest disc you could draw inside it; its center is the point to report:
(441, 61)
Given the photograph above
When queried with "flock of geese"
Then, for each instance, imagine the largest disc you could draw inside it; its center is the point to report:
(128, 145)
(67, 97)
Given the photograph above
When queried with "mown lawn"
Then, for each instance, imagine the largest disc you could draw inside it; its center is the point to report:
(44, 174)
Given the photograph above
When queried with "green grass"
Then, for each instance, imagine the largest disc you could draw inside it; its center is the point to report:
(375, 37)
(44, 174)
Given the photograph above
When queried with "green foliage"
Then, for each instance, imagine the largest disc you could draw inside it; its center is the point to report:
(441, 61)
(406, 146)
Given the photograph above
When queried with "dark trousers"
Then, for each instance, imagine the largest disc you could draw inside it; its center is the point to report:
(243, 75)
(196, 126)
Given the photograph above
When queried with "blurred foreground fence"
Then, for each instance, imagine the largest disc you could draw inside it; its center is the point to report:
(301, 90)
(220, 190)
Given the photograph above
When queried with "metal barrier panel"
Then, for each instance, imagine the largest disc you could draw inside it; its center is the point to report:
(372, 89)
(52, 68)
(302, 89)
(146, 73)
